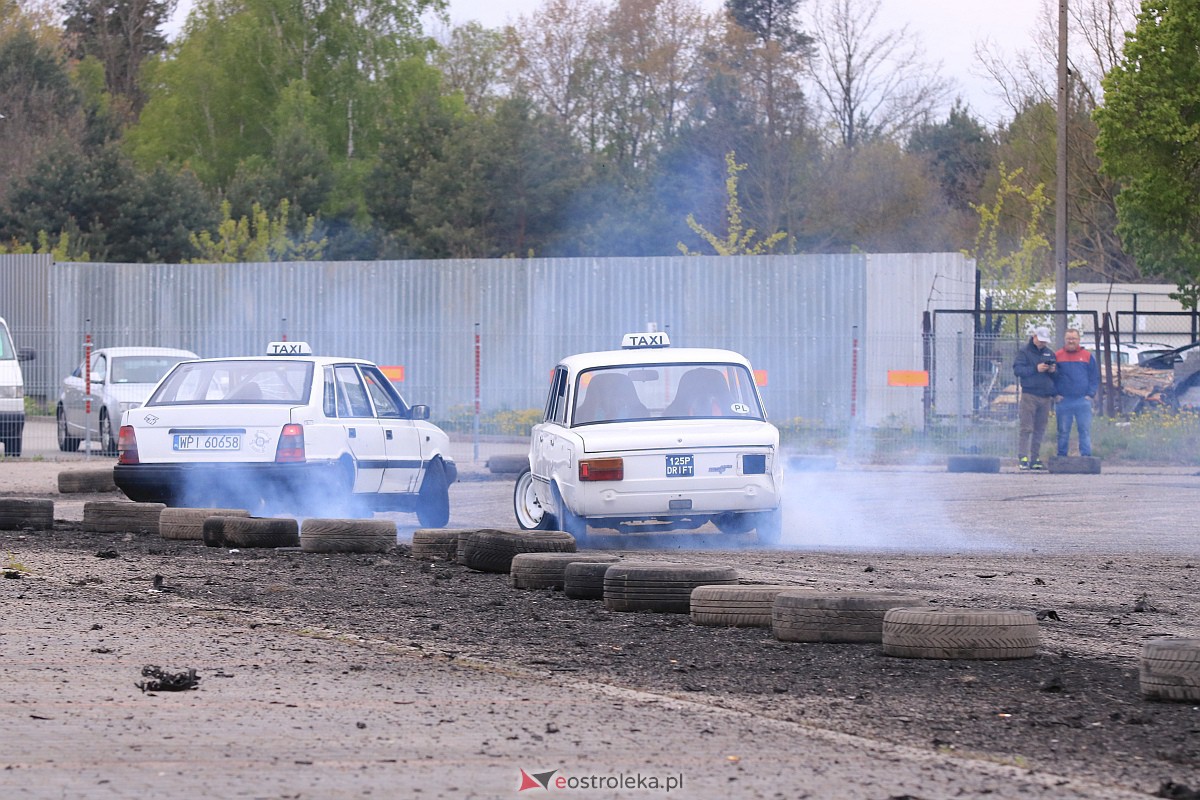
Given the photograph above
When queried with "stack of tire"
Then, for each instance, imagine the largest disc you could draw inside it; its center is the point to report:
(21, 515)
(115, 516)
(493, 549)
(548, 570)
(660, 586)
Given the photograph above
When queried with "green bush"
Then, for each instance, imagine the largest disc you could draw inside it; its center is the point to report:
(505, 422)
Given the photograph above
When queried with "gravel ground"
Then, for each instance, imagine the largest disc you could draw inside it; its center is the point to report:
(1072, 711)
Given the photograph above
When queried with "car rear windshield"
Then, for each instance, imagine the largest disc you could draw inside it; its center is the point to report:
(141, 369)
(270, 381)
(665, 391)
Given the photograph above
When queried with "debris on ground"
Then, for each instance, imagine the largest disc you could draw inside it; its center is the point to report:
(163, 681)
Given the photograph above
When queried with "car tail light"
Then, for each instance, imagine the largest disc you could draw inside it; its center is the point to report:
(291, 445)
(127, 446)
(602, 469)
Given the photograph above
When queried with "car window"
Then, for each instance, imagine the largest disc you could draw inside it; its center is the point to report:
(273, 381)
(142, 369)
(675, 391)
(388, 403)
(352, 396)
(7, 351)
(556, 402)
(100, 368)
(329, 399)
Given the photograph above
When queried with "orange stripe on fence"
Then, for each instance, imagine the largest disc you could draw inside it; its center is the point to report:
(393, 374)
(908, 377)
(760, 377)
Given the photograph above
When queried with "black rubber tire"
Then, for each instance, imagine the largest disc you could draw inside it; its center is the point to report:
(660, 586)
(212, 531)
(20, 515)
(187, 524)
(959, 633)
(492, 549)
(584, 580)
(530, 514)
(66, 443)
(507, 463)
(1073, 465)
(12, 446)
(248, 532)
(433, 498)
(86, 481)
(115, 516)
(568, 520)
(850, 617)
(547, 570)
(986, 464)
(1169, 669)
(436, 544)
(734, 523)
(108, 439)
(740, 606)
(768, 526)
(347, 535)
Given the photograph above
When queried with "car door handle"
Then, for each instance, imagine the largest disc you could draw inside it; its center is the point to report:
(353, 433)
(388, 433)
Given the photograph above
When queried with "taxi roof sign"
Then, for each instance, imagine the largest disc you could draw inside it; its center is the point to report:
(289, 349)
(633, 341)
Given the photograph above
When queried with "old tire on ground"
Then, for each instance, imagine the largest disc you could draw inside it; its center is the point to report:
(584, 580)
(987, 464)
(188, 523)
(19, 515)
(531, 516)
(436, 544)
(492, 549)
(115, 516)
(850, 617)
(1073, 465)
(249, 532)
(660, 586)
(740, 606)
(433, 498)
(212, 531)
(347, 535)
(953, 633)
(1169, 669)
(86, 481)
(547, 570)
(507, 463)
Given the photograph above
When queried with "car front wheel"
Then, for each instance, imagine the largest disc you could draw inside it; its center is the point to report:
(433, 500)
(531, 515)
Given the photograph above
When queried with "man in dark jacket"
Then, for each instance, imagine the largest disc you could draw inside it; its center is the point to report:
(1034, 367)
(1076, 382)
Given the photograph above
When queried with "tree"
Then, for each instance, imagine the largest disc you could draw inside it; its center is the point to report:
(1014, 271)
(120, 34)
(1148, 142)
(872, 84)
(473, 61)
(738, 239)
(257, 237)
(959, 152)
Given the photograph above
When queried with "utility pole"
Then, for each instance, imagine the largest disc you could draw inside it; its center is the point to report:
(1060, 199)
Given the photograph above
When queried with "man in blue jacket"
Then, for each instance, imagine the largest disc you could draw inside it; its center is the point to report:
(1076, 382)
(1034, 366)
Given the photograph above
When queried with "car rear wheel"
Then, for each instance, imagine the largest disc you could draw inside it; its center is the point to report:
(433, 500)
(531, 514)
(108, 441)
(568, 520)
(769, 527)
(66, 442)
(731, 522)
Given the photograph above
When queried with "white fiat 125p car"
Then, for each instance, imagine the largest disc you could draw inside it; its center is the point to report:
(292, 432)
(651, 437)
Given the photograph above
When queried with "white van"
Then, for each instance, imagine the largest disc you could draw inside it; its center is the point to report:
(12, 392)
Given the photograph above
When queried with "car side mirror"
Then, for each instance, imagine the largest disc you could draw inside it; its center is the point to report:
(97, 377)
(419, 412)
(25, 354)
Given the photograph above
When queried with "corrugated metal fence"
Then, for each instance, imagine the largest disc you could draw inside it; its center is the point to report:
(824, 328)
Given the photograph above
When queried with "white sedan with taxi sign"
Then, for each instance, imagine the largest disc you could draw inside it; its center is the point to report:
(289, 431)
(651, 437)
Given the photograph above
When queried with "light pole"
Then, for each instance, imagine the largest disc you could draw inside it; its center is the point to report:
(1061, 200)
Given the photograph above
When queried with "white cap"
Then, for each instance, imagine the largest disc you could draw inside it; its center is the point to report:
(1042, 333)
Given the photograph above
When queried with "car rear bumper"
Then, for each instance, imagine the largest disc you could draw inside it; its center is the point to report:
(238, 485)
(619, 499)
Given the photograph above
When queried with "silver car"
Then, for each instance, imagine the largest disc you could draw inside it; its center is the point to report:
(121, 378)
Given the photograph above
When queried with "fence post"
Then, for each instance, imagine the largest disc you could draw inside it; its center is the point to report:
(477, 401)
